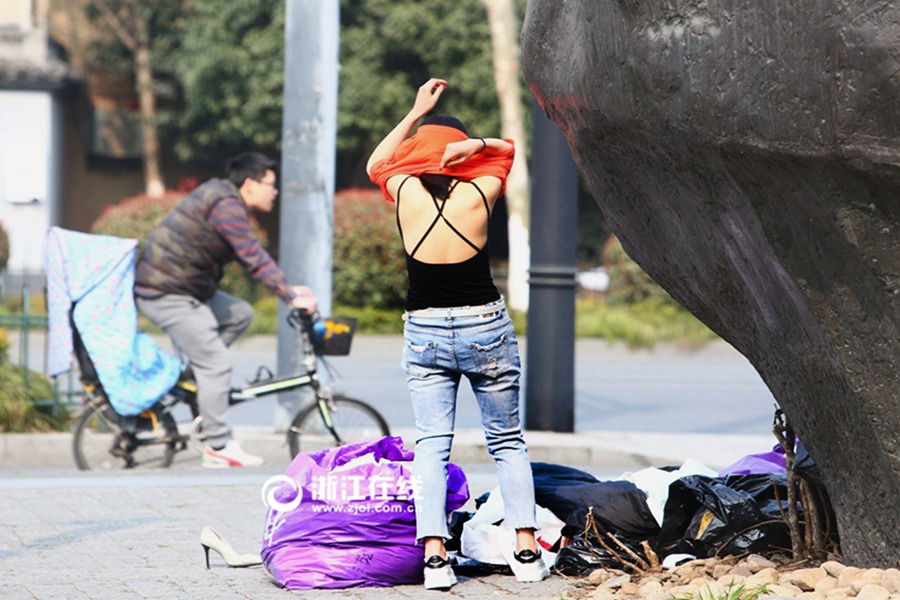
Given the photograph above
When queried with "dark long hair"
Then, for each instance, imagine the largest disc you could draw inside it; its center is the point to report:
(436, 184)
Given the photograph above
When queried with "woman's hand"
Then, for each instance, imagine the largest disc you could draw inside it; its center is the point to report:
(427, 97)
(461, 151)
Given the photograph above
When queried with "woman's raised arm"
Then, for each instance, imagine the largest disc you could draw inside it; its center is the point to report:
(426, 99)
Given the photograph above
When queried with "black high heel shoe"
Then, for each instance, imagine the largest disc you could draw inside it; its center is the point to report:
(210, 539)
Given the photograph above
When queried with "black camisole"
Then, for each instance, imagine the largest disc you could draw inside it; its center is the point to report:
(466, 283)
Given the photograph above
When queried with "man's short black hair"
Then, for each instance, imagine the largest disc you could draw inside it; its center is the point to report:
(249, 164)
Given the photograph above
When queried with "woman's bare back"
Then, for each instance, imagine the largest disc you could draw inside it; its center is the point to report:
(427, 224)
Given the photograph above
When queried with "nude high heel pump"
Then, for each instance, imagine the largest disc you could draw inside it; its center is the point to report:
(209, 539)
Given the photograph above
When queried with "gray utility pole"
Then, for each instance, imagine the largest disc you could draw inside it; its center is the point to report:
(311, 35)
(550, 372)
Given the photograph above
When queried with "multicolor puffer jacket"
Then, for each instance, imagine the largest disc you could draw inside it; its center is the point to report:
(184, 254)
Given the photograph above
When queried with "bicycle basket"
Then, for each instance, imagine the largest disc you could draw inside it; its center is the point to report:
(332, 335)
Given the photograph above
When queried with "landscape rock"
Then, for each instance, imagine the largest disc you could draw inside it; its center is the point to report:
(757, 563)
(748, 159)
(806, 579)
(764, 577)
(848, 576)
(891, 581)
(833, 568)
(598, 576)
(720, 570)
(616, 582)
(873, 575)
(873, 592)
(826, 584)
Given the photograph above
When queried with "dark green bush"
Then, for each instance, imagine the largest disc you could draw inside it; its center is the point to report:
(4, 247)
(18, 411)
(15, 305)
(628, 283)
(369, 267)
(373, 320)
(135, 218)
(637, 309)
(4, 347)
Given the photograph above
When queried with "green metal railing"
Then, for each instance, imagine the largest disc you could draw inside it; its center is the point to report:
(26, 323)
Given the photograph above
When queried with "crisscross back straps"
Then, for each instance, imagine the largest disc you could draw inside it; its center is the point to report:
(439, 207)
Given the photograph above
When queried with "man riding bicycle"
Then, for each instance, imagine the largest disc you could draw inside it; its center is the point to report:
(176, 286)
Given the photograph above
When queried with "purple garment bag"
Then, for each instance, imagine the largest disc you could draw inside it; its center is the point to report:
(754, 464)
(345, 517)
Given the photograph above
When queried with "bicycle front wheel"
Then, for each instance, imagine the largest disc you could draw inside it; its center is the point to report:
(101, 443)
(351, 420)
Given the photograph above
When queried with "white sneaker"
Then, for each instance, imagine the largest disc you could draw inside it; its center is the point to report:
(439, 574)
(232, 455)
(529, 565)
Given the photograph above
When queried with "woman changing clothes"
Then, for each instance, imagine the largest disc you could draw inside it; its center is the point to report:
(445, 185)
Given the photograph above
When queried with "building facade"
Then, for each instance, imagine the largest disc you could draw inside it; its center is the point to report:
(33, 83)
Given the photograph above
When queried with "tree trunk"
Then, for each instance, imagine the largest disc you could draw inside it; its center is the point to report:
(130, 25)
(153, 181)
(504, 41)
(749, 162)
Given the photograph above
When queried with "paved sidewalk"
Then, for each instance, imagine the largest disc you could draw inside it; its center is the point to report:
(136, 535)
(68, 534)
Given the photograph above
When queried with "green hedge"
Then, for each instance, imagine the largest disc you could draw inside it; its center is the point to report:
(369, 267)
(4, 247)
(628, 282)
(4, 347)
(18, 411)
(135, 217)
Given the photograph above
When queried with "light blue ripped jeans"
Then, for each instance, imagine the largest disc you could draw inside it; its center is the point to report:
(437, 352)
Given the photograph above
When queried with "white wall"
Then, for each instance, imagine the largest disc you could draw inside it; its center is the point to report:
(28, 191)
(16, 12)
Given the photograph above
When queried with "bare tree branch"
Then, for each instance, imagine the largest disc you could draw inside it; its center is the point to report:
(116, 24)
(640, 566)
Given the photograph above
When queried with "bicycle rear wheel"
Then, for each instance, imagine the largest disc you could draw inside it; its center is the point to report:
(353, 421)
(101, 443)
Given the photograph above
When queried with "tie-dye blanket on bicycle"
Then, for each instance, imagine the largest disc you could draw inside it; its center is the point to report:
(96, 274)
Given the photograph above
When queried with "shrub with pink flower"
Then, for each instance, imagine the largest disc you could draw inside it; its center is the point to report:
(135, 217)
(369, 265)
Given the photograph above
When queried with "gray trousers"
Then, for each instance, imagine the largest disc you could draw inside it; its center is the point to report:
(201, 333)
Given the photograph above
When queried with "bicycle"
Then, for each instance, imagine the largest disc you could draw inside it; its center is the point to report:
(103, 439)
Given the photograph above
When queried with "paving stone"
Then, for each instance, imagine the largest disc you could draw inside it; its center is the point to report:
(137, 537)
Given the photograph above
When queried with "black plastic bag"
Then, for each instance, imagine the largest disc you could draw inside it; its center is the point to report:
(806, 467)
(458, 518)
(619, 507)
(725, 515)
(584, 555)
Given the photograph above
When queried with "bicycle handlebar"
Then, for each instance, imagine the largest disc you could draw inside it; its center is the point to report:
(297, 317)
(322, 336)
